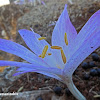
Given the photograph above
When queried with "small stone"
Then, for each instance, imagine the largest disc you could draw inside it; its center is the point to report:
(92, 64)
(95, 57)
(58, 90)
(93, 72)
(85, 65)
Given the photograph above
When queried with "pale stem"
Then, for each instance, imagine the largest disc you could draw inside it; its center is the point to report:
(74, 90)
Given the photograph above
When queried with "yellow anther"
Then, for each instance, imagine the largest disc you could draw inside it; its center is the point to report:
(39, 55)
(65, 38)
(41, 38)
(44, 51)
(56, 47)
(49, 53)
(63, 56)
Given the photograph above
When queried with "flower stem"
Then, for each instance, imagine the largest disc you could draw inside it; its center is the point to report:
(74, 90)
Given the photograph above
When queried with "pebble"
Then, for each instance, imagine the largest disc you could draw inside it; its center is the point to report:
(95, 57)
(85, 65)
(92, 64)
(58, 90)
(93, 72)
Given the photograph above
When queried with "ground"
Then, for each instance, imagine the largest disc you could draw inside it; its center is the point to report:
(42, 19)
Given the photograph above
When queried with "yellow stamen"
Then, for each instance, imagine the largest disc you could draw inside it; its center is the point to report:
(63, 56)
(55, 47)
(65, 38)
(41, 38)
(44, 51)
(39, 55)
(49, 53)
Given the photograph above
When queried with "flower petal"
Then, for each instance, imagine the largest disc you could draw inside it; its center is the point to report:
(14, 63)
(63, 26)
(19, 50)
(31, 68)
(37, 46)
(25, 70)
(91, 43)
(92, 26)
(31, 40)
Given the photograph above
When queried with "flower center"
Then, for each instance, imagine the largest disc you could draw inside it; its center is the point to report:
(54, 47)
(62, 52)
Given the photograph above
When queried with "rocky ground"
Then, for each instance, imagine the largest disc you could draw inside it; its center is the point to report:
(42, 19)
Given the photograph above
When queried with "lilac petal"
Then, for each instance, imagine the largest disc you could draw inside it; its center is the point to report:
(87, 47)
(25, 67)
(31, 40)
(37, 46)
(92, 26)
(22, 70)
(18, 73)
(19, 50)
(14, 63)
(32, 67)
(63, 26)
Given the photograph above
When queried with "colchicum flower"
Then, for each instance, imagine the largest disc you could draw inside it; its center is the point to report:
(61, 59)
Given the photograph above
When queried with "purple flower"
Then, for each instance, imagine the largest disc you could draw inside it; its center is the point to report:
(61, 59)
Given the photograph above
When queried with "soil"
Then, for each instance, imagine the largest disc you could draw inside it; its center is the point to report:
(42, 20)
